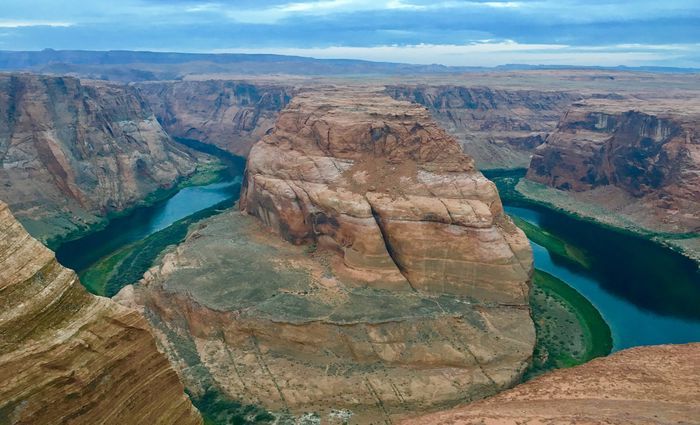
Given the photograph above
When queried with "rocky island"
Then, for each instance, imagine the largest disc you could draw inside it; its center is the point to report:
(373, 271)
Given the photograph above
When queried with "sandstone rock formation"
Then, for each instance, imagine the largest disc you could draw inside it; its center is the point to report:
(409, 293)
(497, 127)
(230, 114)
(644, 385)
(642, 165)
(69, 357)
(378, 181)
(71, 152)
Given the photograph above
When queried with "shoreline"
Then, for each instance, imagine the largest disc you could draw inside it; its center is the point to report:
(561, 342)
(508, 190)
(212, 172)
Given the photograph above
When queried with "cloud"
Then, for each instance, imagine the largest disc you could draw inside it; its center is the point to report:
(4, 23)
(440, 31)
(492, 54)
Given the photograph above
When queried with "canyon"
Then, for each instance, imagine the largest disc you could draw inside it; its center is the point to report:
(497, 127)
(73, 152)
(369, 272)
(70, 357)
(398, 284)
(631, 168)
(232, 115)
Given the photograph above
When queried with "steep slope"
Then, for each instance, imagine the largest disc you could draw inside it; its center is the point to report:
(642, 166)
(645, 385)
(411, 291)
(69, 357)
(71, 152)
(230, 114)
(498, 128)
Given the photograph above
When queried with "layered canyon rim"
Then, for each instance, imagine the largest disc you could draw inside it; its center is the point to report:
(232, 115)
(73, 152)
(399, 285)
(67, 356)
(634, 166)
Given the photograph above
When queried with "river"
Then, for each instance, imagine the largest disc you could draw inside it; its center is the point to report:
(647, 294)
(141, 222)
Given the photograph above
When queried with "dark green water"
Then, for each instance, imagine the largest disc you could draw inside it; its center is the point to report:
(648, 294)
(142, 222)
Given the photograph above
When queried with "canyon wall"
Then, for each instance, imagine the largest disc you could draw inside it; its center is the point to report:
(643, 385)
(70, 357)
(71, 152)
(642, 163)
(398, 285)
(229, 114)
(499, 128)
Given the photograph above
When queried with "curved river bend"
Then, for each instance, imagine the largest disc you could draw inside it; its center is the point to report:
(647, 294)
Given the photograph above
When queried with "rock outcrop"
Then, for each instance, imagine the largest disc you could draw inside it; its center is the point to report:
(229, 114)
(497, 127)
(71, 152)
(644, 385)
(404, 287)
(70, 357)
(378, 181)
(642, 163)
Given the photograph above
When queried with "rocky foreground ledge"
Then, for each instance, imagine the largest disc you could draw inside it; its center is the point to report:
(398, 284)
(70, 357)
(643, 385)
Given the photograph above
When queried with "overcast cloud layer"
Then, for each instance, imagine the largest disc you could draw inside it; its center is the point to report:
(451, 32)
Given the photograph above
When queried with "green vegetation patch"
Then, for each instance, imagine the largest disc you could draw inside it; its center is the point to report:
(570, 330)
(128, 264)
(553, 243)
(217, 409)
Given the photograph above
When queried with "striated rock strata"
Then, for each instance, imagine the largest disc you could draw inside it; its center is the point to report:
(69, 357)
(71, 152)
(404, 286)
(644, 385)
(499, 128)
(230, 114)
(638, 169)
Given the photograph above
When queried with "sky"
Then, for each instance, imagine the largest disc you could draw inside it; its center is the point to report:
(449, 32)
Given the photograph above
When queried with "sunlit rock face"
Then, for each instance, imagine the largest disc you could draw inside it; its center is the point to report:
(70, 357)
(379, 182)
(71, 152)
(644, 385)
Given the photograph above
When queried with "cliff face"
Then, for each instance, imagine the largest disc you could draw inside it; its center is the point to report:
(378, 181)
(230, 114)
(69, 357)
(404, 288)
(650, 156)
(644, 385)
(70, 152)
(498, 128)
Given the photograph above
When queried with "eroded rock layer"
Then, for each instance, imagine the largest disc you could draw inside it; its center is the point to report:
(642, 163)
(645, 385)
(70, 152)
(70, 357)
(404, 286)
(230, 114)
(378, 181)
(499, 128)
